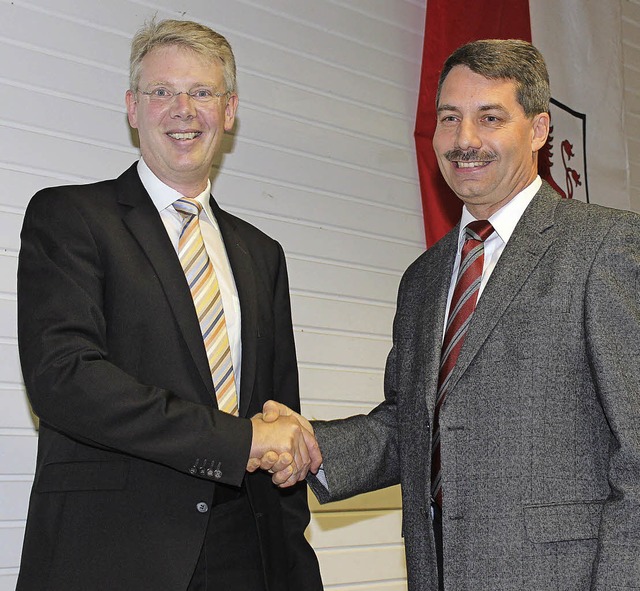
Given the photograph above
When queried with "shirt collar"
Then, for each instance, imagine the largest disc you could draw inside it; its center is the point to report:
(163, 196)
(504, 220)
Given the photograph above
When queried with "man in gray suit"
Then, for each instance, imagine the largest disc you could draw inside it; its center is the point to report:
(525, 450)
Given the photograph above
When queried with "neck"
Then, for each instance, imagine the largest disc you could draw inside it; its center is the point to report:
(188, 188)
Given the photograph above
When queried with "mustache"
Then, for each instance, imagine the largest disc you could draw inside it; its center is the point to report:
(470, 155)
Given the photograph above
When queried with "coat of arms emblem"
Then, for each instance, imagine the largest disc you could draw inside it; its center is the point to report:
(562, 162)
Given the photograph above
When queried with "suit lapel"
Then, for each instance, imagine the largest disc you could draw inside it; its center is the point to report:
(526, 247)
(243, 274)
(145, 224)
(429, 298)
(436, 291)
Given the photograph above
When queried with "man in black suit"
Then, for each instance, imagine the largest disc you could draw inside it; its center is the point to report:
(141, 480)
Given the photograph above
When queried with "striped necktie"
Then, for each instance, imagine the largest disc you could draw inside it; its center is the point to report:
(463, 303)
(207, 300)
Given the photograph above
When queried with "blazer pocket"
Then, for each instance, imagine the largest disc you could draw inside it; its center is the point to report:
(565, 522)
(83, 476)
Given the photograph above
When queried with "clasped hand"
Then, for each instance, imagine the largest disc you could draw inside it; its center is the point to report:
(284, 444)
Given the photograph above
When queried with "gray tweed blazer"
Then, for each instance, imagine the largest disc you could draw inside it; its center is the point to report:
(541, 428)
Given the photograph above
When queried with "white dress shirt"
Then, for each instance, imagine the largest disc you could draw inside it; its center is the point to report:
(163, 198)
(504, 222)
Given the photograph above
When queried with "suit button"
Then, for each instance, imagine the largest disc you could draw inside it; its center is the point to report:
(217, 474)
(202, 507)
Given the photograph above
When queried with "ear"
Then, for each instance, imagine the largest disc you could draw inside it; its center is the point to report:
(540, 127)
(132, 108)
(230, 112)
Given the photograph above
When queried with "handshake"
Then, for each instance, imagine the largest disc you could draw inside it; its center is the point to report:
(283, 443)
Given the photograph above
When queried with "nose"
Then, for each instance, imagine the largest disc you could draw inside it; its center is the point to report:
(182, 106)
(467, 135)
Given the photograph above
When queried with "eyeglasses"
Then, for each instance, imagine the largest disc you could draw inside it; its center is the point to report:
(163, 95)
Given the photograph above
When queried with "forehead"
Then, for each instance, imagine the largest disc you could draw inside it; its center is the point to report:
(173, 63)
(464, 88)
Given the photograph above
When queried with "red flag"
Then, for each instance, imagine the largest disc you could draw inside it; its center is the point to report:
(447, 27)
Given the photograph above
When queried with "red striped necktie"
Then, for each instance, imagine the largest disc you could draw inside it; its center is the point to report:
(463, 303)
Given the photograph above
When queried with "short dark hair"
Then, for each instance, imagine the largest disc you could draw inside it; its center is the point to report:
(509, 59)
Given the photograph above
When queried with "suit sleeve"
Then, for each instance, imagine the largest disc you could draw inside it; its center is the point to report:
(612, 326)
(74, 384)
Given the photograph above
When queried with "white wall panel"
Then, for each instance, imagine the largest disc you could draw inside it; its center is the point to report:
(336, 391)
(321, 158)
(10, 222)
(328, 529)
(338, 349)
(59, 75)
(9, 362)
(17, 452)
(8, 269)
(286, 165)
(369, 252)
(359, 316)
(61, 36)
(329, 107)
(397, 585)
(8, 315)
(8, 578)
(11, 542)
(362, 564)
(272, 23)
(337, 209)
(631, 56)
(341, 279)
(15, 412)
(334, 143)
(18, 492)
(72, 118)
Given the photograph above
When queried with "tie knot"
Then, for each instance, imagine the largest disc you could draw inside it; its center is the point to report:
(479, 230)
(187, 206)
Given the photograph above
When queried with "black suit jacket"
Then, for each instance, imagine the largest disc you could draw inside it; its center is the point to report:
(131, 444)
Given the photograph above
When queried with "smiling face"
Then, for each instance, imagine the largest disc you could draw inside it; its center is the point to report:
(179, 137)
(485, 144)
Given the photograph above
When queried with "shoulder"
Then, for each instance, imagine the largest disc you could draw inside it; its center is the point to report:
(582, 228)
(597, 229)
(587, 218)
(591, 215)
(89, 194)
(90, 200)
(53, 203)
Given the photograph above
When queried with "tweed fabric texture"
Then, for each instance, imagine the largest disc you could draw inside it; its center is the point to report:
(540, 431)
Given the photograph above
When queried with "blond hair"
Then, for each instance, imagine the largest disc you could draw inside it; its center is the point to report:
(188, 34)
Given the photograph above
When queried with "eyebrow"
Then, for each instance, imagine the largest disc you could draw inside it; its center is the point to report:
(163, 83)
(493, 107)
(446, 108)
(489, 107)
